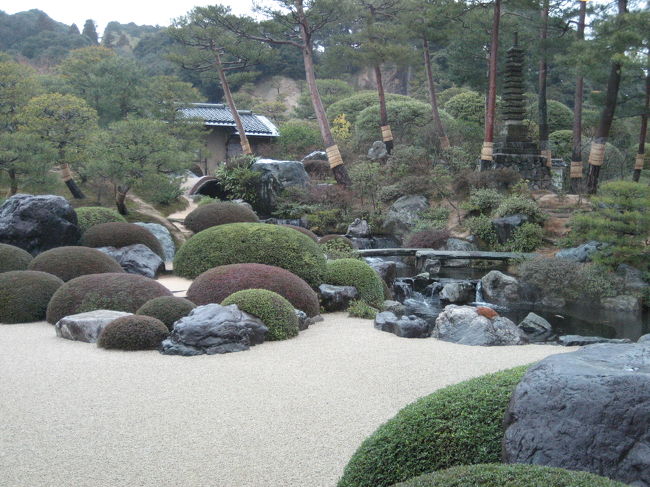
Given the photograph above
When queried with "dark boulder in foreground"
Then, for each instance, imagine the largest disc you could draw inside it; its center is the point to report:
(404, 326)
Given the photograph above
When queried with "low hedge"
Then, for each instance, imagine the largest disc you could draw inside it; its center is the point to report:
(217, 284)
(515, 475)
(118, 234)
(119, 292)
(218, 213)
(24, 295)
(88, 216)
(458, 425)
(13, 258)
(257, 243)
(133, 332)
(275, 311)
(70, 262)
(357, 273)
(168, 309)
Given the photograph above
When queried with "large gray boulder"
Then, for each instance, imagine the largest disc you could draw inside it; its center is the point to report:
(505, 226)
(86, 327)
(163, 236)
(358, 229)
(499, 288)
(581, 253)
(212, 329)
(460, 292)
(404, 326)
(581, 341)
(464, 325)
(377, 151)
(287, 173)
(403, 215)
(336, 298)
(386, 269)
(586, 410)
(136, 259)
(534, 324)
(38, 223)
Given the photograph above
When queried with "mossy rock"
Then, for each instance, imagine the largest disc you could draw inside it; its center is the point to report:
(274, 311)
(458, 425)
(168, 309)
(133, 332)
(88, 216)
(257, 243)
(118, 234)
(357, 273)
(118, 292)
(70, 262)
(218, 213)
(515, 475)
(13, 258)
(215, 285)
(24, 295)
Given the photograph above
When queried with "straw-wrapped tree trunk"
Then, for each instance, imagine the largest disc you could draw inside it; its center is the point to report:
(490, 109)
(576, 153)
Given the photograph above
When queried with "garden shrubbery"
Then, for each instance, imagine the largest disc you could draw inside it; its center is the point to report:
(359, 309)
(302, 230)
(357, 273)
(88, 216)
(275, 311)
(119, 234)
(353, 105)
(468, 106)
(560, 116)
(133, 332)
(24, 295)
(168, 309)
(215, 285)
(516, 204)
(428, 239)
(13, 258)
(218, 213)
(69, 262)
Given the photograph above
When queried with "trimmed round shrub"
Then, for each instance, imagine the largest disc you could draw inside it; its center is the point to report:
(218, 213)
(69, 262)
(13, 258)
(88, 216)
(353, 105)
(118, 234)
(515, 204)
(24, 295)
(353, 272)
(257, 243)
(275, 311)
(135, 332)
(560, 116)
(457, 425)
(168, 309)
(306, 231)
(340, 238)
(468, 106)
(118, 292)
(217, 284)
(515, 475)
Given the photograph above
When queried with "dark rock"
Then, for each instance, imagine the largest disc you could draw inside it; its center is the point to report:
(499, 288)
(535, 325)
(402, 288)
(464, 325)
(433, 289)
(276, 176)
(136, 259)
(403, 215)
(422, 309)
(305, 321)
(386, 269)
(458, 292)
(163, 236)
(377, 151)
(394, 307)
(582, 253)
(585, 410)
(624, 302)
(422, 281)
(358, 228)
(38, 223)
(336, 298)
(86, 327)
(405, 326)
(505, 226)
(317, 155)
(579, 341)
(212, 329)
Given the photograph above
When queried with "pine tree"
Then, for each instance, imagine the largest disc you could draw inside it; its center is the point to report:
(90, 32)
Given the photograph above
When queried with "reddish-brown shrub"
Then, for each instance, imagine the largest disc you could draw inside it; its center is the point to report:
(215, 285)
(135, 332)
(306, 231)
(428, 239)
(70, 262)
(218, 213)
(119, 234)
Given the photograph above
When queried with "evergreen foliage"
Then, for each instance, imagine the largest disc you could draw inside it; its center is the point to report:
(88, 216)
(13, 258)
(69, 262)
(168, 309)
(135, 332)
(218, 213)
(357, 273)
(24, 295)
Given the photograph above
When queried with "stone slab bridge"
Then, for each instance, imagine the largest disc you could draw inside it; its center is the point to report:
(444, 254)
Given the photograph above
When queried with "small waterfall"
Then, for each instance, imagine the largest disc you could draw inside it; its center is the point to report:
(403, 289)
(479, 292)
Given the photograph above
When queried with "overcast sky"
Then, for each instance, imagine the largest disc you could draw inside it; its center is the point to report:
(148, 12)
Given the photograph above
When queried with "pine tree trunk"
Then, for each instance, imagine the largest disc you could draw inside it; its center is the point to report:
(576, 153)
(640, 157)
(66, 176)
(13, 183)
(597, 154)
(437, 122)
(490, 109)
(386, 134)
(542, 104)
(120, 200)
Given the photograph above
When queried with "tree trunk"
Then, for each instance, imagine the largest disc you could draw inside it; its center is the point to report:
(332, 150)
(490, 109)
(437, 122)
(386, 134)
(597, 154)
(120, 200)
(638, 163)
(542, 105)
(576, 154)
(13, 183)
(66, 176)
(243, 140)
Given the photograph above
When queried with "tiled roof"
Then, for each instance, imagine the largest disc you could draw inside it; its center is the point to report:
(219, 115)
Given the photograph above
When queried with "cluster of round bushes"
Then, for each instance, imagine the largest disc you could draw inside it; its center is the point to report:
(218, 213)
(276, 312)
(13, 258)
(88, 216)
(305, 231)
(215, 285)
(119, 292)
(236, 243)
(24, 295)
(168, 309)
(353, 272)
(133, 332)
(70, 262)
(118, 234)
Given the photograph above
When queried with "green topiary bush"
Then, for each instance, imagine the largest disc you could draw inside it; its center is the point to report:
(352, 272)
(218, 213)
(258, 243)
(217, 284)
(484, 200)
(562, 143)
(118, 234)
(468, 106)
(353, 105)
(515, 475)
(69, 262)
(302, 230)
(168, 309)
(119, 292)
(298, 138)
(275, 311)
(133, 332)
(88, 216)
(343, 240)
(516, 204)
(560, 116)
(13, 258)
(526, 238)
(458, 425)
(24, 295)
